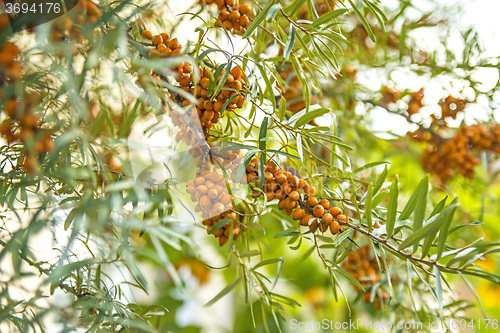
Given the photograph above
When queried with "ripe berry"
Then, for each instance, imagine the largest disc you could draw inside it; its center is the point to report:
(234, 16)
(334, 227)
(335, 211)
(311, 190)
(305, 219)
(312, 201)
(325, 203)
(157, 40)
(341, 217)
(212, 194)
(294, 195)
(147, 34)
(298, 214)
(318, 211)
(327, 218)
(245, 9)
(280, 177)
(219, 207)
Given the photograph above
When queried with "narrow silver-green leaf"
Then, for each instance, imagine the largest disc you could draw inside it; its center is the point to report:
(392, 208)
(289, 43)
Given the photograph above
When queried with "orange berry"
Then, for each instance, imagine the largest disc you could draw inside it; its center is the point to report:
(294, 195)
(335, 211)
(205, 82)
(311, 190)
(147, 34)
(342, 218)
(305, 219)
(269, 196)
(234, 16)
(318, 210)
(226, 199)
(165, 37)
(205, 201)
(312, 201)
(290, 203)
(281, 203)
(327, 218)
(245, 9)
(298, 214)
(222, 240)
(236, 72)
(244, 21)
(287, 188)
(280, 177)
(293, 180)
(219, 207)
(212, 193)
(268, 176)
(157, 40)
(199, 181)
(325, 203)
(202, 190)
(334, 227)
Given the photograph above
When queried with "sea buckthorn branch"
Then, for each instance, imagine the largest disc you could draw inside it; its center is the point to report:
(415, 260)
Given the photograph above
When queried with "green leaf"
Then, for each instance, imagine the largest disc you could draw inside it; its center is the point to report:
(392, 208)
(300, 150)
(368, 208)
(421, 190)
(364, 21)
(223, 292)
(349, 277)
(261, 170)
(71, 216)
(287, 234)
(294, 7)
(439, 207)
(439, 290)
(311, 115)
(263, 133)
(268, 262)
(257, 20)
(271, 13)
(369, 165)
(329, 16)
(308, 253)
(289, 43)
(428, 231)
(420, 206)
(379, 182)
(444, 231)
(220, 224)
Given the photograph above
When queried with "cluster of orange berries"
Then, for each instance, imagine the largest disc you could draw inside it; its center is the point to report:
(24, 126)
(362, 265)
(209, 107)
(442, 158)
(232, 16)
(10, 67)
(68, 26)
(286, 187)
(214, 202)
(322, 7)
(164, 46)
